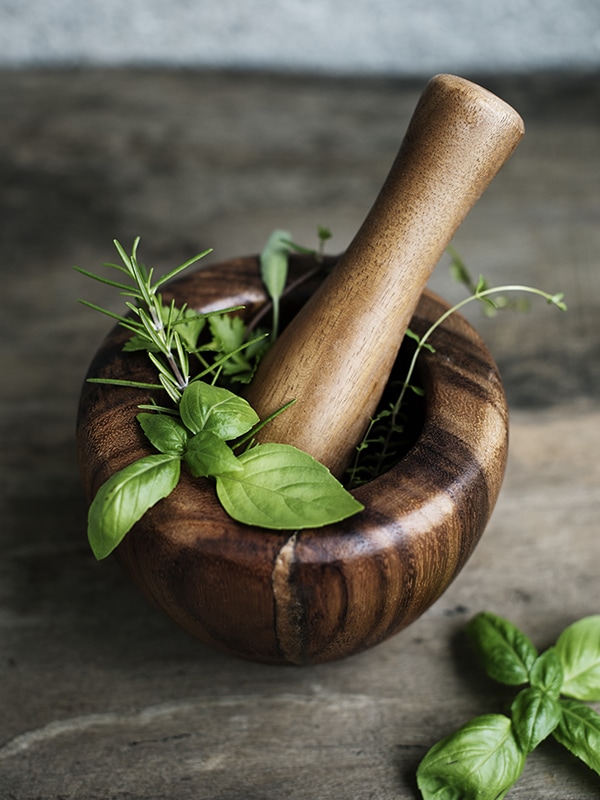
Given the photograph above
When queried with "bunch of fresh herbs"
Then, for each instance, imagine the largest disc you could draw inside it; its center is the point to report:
(206, 426)
(483, 759)
(210, 428)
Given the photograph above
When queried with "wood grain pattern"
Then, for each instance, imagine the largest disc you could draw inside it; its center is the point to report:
(315, 595)
(335, 359)
(102, 695)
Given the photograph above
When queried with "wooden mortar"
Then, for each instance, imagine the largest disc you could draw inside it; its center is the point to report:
(317, 595)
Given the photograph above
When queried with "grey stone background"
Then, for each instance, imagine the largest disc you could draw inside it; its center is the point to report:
(395, 37)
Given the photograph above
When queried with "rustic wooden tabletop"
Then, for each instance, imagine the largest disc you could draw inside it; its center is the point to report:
(101, 696)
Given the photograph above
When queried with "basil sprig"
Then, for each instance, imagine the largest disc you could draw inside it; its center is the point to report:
(274, 486)
(485, 757)
(207, 427)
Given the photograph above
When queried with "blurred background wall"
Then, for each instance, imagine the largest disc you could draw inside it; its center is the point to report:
(377, 37)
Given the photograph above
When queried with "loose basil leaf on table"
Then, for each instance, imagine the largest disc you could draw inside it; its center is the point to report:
(535, 715)
(506, 653)
(547, 673)
(480, 761)
(579, 731)
(578, 648)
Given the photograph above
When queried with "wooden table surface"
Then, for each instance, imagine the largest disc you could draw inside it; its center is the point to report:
(101, 696)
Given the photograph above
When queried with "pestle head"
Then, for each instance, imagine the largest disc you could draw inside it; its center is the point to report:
(335, 357)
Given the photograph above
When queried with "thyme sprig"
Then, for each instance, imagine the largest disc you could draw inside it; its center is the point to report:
(387, 426)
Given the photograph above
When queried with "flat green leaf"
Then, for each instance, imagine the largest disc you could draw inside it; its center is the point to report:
(189, 324)
(579, 731)
(228, 332)
(164, 432)
(535, 715)
(207, 454)
(229, 335)
(284, 488)
(139, 341)
(578, 648)
(274, 263)
(205, 407)
(323, 233)
(274, 269)
(481, 761)
(506, 653)
(547, 673)
(126, 496)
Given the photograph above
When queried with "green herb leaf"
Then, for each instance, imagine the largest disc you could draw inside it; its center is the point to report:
(189, 325)
(207, 454)
(229, 335)
(481, 761)
(164, 432)
(126, 496)
(140, 341)
(274, 262)
(228, 332)
(535, 715)
(410, 334)
(547, 673)
(323, 233)
(215, 409)
(579, 731)
(506, 653)
(274, 269)
(284, 488)
(578, 648)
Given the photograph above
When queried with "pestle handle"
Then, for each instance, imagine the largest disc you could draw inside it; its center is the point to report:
(335, 356)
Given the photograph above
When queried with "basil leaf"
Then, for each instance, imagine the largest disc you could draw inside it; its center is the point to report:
(284, 488)
(164, 432)
(274, 269)
(579, 731)
(547, 672)
(212, 408)
(126, 496)
(207, 454)
(578, 648)
(481, 761)
(535, 715)
(506, 653)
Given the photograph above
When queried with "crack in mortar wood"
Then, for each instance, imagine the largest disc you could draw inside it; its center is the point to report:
(288, 608)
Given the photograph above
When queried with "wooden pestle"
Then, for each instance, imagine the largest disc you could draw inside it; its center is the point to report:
(335, 356)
